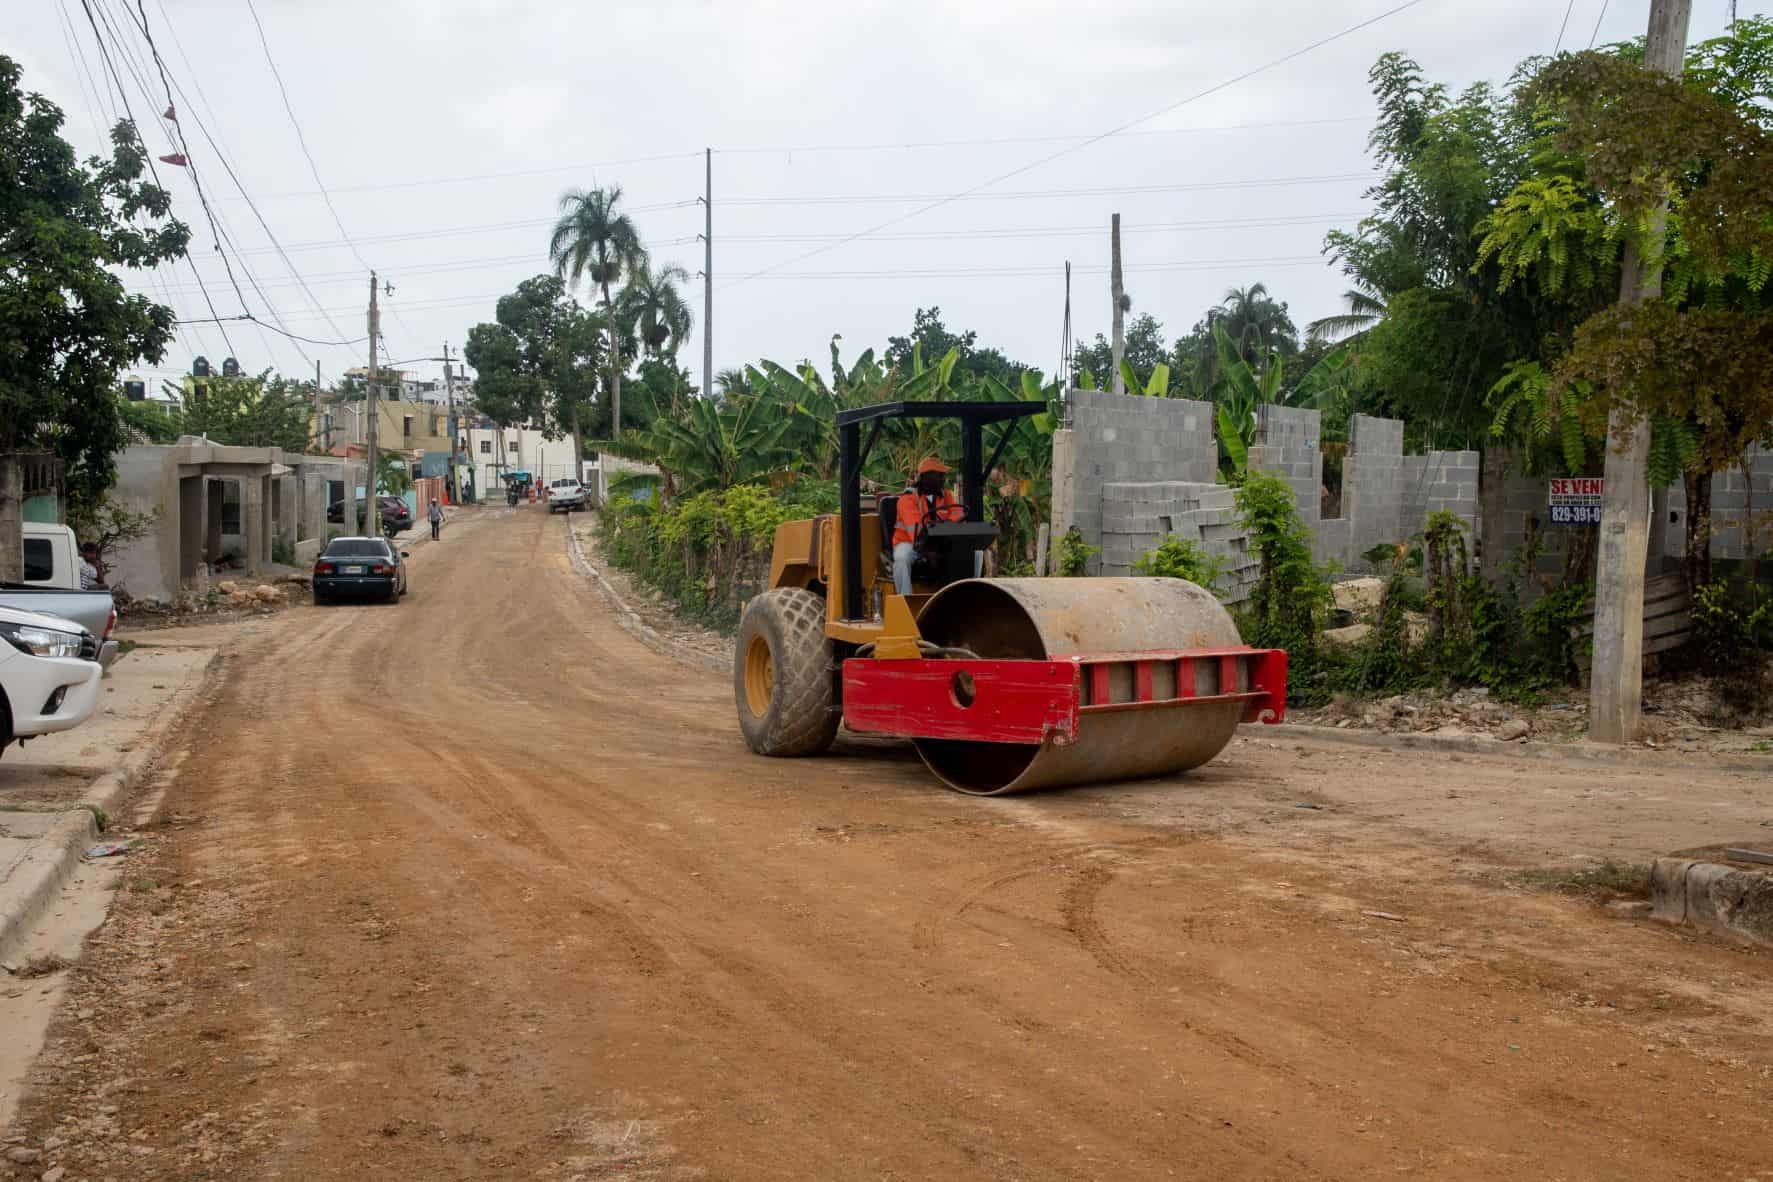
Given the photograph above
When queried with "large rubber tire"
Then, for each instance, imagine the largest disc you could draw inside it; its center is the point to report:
(782, 675)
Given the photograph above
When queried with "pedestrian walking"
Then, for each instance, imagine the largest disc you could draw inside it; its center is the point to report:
(435, 514)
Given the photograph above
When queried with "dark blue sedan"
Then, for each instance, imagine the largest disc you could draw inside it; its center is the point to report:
(360, 568)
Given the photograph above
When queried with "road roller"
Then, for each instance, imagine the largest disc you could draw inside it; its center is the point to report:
(1003, 685)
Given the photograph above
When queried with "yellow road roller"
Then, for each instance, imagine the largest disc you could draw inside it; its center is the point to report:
(1003, 685)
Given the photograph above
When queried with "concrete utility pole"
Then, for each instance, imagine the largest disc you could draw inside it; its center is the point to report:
(319, 431)
(1616, 679)
(449, 389)
(1118, 383)
(372, 508)
(708, 274)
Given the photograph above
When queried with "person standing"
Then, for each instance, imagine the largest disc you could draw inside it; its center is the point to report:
(92, 575)
(435, 515)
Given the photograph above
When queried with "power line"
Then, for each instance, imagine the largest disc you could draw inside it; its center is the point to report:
(1597, 24)
(313, 169)
(123, 97)
(1365, 175)
(1562, 26)
(1051, 156)
(274, 328)
(987, 141)
(197, 82)
(997, 234)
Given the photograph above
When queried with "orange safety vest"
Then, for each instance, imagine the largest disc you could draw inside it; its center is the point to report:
(915, 513)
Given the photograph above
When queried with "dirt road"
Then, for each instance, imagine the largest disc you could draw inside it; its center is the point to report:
(478, 887)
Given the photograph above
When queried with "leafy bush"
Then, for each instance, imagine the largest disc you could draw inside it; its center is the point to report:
(1074, 554)
(1726, 631)
(708, 552)
(1179, 558)
(1291, 595)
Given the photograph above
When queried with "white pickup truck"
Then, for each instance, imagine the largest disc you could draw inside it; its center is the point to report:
(565, 495)
(49, 675)
(51, 585)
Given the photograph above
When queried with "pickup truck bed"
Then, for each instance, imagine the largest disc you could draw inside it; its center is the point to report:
(92, 610)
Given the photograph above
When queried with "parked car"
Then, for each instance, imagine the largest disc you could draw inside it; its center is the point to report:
(51, 586)
(49, 675)
(395, 515)
(360, 567)
(565, 495)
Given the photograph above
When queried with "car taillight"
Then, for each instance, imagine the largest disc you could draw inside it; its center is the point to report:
(110, 624)
(323, 568)
(382, 568)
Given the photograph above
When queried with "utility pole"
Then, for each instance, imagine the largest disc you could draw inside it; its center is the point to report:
(708, 274)
(319, 431)
(449, 389)
(1616, 679)
(1118, 383)
(372, 508)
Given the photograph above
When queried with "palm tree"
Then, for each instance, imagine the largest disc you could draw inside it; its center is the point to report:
(652, 303)
(1253, 319)
(592, 238)
(731, 383)
(1366, 306)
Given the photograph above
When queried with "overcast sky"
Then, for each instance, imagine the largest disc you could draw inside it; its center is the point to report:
(446, 131)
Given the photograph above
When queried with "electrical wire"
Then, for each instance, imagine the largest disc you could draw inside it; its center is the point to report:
(987, 141)
(1597, 24)
(1001, 234)
(1051, 156)
(1364, 176)
(123, 97)
(1562, 26)
(197, 82)
(292, 336)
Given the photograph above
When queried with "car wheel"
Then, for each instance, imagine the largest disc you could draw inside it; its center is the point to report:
(319, 597)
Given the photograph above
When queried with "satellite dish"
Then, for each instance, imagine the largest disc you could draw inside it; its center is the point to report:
(200, 367)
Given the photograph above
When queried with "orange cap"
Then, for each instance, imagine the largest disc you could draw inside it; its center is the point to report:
(931, 464)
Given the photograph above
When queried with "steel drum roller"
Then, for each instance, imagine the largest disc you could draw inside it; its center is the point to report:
(1041, 619)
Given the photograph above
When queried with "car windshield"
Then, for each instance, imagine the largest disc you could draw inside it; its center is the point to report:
(356, 548)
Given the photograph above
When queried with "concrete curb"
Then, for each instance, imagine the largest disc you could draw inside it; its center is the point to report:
(52, 858)
(1716, 897)
(1500, 749)
(629, 619)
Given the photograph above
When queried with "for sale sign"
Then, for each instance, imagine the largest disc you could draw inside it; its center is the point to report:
(1576, 500)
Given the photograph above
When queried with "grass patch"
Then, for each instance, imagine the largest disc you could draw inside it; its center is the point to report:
(1603, 883)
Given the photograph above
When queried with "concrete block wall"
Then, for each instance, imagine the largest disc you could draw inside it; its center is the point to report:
(1741, 512)
(1288, 444)
(1121, 438)
(1138, 516)
(1372, 485)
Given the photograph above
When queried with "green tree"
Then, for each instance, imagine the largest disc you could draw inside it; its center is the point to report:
(1693, 363)
(934, 339)
(260, 411)
(591, 239)
(538, 360)
(653, 305)
(1145, 351)
(67, 326)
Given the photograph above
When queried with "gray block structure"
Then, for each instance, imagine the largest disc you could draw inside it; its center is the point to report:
(1129, 471)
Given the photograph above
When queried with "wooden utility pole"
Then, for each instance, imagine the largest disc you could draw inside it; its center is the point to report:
(372, 508)
(1616, 681)
(449, 390)
(1118, 383)
(708, 274)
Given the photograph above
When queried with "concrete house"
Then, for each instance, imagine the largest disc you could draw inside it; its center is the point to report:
(216, 503)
